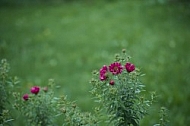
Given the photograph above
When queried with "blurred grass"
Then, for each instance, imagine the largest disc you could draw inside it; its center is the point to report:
(67, 41)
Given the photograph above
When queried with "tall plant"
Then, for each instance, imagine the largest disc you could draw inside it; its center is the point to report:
(119, 91)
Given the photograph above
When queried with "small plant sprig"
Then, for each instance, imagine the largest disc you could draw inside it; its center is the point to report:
(38, 107)
(6, 84)
(163, 117)
(72, 115)
(4, 69)
(119, 91)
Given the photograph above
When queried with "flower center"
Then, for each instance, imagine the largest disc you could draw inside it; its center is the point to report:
(115, 68)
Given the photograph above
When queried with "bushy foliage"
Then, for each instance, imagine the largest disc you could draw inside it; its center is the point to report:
(116, 88)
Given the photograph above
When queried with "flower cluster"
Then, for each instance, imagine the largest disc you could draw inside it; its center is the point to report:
(34, 90)
(114, 68)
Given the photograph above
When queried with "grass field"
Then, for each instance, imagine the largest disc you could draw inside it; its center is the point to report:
(67, 41)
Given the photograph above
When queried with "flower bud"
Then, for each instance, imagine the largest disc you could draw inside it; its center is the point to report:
(25, 97)
(129, 67)
(45, 89)
(35, 90)
(63, 110)
(111, 82)
(123, 50)
(74, 105)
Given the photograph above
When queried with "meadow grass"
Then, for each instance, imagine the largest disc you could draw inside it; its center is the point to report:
(67, 41)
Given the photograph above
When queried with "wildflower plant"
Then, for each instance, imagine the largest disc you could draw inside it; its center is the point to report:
(118, 90)
(41, 108)
(38, 106)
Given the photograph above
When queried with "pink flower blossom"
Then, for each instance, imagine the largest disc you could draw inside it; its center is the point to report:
(115, 68)
(103, 73)
(25, 97)
(111, 82)
(35, 90)
(129, 67)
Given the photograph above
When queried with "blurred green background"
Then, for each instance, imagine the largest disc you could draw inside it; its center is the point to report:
(66, 40)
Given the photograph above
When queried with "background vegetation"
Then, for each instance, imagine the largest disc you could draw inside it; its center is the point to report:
(67, 40)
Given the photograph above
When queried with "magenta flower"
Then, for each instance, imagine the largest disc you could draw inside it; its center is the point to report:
(103, 73)
(115, 68)
(35, 90)
(129, 67)
(111, 82)
(25, 97)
